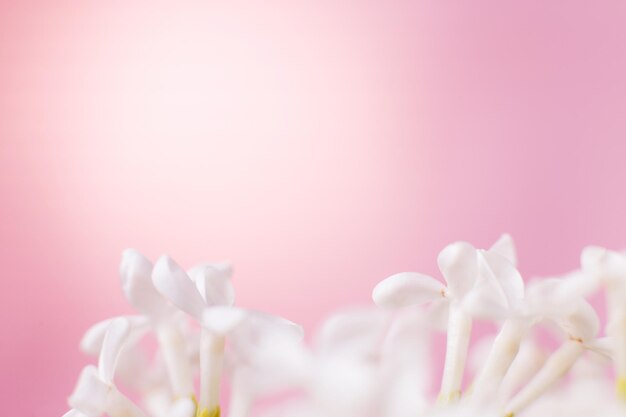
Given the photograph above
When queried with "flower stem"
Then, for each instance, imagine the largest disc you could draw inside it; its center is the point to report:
(526, 364)
(555, 367)
(459, 332)
(211, 356)
(175, 356)
(240, 398)
(504, 350)
(617, 330)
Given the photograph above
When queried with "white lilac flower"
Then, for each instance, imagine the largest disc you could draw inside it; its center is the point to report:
(253, 344)
(470, 274)
(364, 362)
(341, 373)
(608, 270)
(581, 326)
(95, 393)
(158, 316)
(206, 294)
(546, 300)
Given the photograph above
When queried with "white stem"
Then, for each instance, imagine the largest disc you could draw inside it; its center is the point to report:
(176, 361)
(617, 331)
(554, 369)
(121, 406)
(503, 352)
(526, 364)
(211, 356)
(459, 332)
(240, 398)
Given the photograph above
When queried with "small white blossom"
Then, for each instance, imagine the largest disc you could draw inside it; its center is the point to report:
(367, 362)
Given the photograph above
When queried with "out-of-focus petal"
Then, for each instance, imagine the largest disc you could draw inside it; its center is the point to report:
(459, 266)
(406, 289)
(213, 284)
(437, 313)
(183, 407)
(358, 333)
(136, 277)
(221, 320)
(75, 413)
(174, 283)
(114, 339)
(505, 246)
(605, 266)
(91, 343)
(91, 393)
(407, 344)
(581, 322)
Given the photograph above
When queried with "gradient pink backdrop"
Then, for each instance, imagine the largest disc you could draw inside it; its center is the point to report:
(319, 146)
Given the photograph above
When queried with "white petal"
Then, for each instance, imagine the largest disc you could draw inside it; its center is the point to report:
(271, 345)
(91, 393)
(505, 276)
(592, 256)
(135, 273)
(221, 320)
(606, 265)
(459, 266)
(356, 332)
(213, 283)
(437, 313)
(505, 246)
(174, 283)
(483, 303)
(74, 413)
(183, 407)
(581, 322)
(114, 340)
(407, 343)
(91, 343)
(407, 288)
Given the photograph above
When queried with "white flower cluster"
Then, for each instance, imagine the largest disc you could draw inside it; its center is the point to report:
(371, 362)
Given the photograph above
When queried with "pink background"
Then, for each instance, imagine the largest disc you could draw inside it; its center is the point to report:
(320, 147)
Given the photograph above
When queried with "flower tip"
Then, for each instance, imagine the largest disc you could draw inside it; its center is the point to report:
(407, 289)
(591, 255)
(505, 246)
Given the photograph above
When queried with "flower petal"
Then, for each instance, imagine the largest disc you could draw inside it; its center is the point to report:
(483, 303)
(221, 320)
(458, 264)
(505, 246)
(175, 285)
(355, 332)
(135, 273)
(406, 289)
(605, 265)
(437, 313)
(91, 343)
(213, 283)
(91, 393)
(581, 322)
(503, 275)
(183, 407)
(75, 413)
(114, 340)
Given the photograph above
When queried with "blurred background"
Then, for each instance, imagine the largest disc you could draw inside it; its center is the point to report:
(319, 146)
